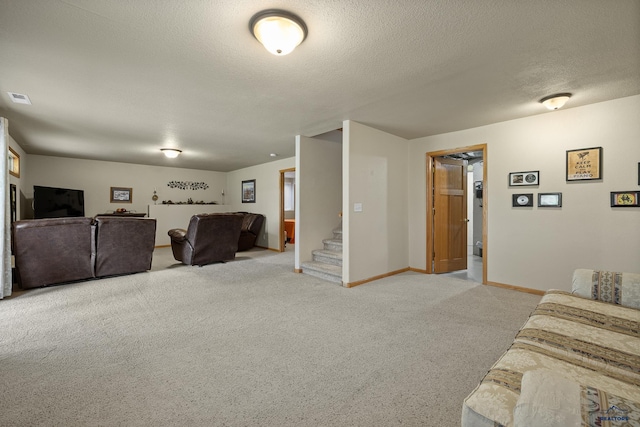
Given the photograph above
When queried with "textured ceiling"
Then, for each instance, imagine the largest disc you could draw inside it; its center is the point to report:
(118, 80)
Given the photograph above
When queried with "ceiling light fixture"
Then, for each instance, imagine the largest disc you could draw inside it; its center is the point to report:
(554, 102)
(171, 153)
(279, 31)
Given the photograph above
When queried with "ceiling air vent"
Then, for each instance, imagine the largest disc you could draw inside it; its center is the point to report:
(19, 98)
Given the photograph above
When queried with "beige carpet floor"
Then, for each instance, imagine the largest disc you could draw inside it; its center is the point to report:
(250, 343)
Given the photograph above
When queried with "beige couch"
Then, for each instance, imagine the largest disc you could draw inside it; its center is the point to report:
(576, 361)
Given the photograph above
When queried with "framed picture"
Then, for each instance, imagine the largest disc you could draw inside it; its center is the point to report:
(584, 164)
(524, 178)
(14, 163)
(638, 173)
(549, 200)
(121, 195)
(249, 191)
(624, 199)
(522, 200)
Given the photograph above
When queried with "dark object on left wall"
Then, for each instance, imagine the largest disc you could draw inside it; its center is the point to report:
(59, 250)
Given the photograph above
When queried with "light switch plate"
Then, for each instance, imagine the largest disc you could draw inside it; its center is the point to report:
(357, 207)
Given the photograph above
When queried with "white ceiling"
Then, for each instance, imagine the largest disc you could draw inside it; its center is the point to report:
(117, 80)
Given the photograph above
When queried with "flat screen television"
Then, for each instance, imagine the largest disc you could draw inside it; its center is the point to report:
(50, 202)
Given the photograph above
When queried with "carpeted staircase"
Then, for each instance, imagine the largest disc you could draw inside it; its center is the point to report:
(327, 262)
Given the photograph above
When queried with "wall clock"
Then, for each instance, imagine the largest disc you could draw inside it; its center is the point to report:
(521, 200)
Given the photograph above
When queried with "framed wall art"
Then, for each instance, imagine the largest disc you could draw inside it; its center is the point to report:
(584, 164)
(522, 200)
(121, 195)
(249, 191)
(625, 199)
(524, 178)
(549, 200)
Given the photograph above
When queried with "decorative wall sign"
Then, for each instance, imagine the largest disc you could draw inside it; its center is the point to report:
(121, 195)
(549, 200)
(584, 164)
(249, 191)
(188, 185)
(524, 178)
(522, 200)
(624, 199)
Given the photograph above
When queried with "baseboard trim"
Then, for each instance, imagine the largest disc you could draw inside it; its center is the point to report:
(516, 288)
(371, 279)
(297, 270)
(417, 270)
(162, 246)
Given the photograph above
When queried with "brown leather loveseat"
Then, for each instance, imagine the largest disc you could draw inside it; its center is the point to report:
(59, 250)
(209, 238)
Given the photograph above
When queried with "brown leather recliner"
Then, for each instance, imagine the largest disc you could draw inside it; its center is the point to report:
(209, 238)
(124, 245)
(251, 226)
(56, 250)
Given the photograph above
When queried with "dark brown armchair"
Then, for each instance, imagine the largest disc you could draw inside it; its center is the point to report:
(124, 245)
(251, 226)
(209, 238)
(55, 250)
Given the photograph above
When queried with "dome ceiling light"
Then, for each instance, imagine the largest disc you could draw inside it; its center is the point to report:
(279, 31)
(171, 153)
(554, 102)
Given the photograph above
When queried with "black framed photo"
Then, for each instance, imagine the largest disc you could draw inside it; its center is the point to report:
(249, 191)
(522, 200)
(625, 199)
(638, 173)
(524, 178)
(549, 200)
(584, 164)
(121, 195)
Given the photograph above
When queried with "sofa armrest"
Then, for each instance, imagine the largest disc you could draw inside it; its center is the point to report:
(608, 286)
(178, 234)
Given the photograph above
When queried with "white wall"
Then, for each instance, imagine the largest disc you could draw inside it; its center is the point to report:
(375, 240)
(535, 247)
(267, 178)
(318, 193)
(97, 177)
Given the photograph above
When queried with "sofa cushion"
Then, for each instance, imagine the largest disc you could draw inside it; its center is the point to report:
(607, 286)
(53, 250)
(549, 399)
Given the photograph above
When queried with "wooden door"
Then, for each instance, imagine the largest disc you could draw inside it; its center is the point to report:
(450, 215)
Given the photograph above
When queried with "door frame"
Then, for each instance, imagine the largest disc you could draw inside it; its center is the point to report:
(281, 238)
(485, 203)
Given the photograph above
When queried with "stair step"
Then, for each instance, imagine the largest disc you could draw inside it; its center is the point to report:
(328, 272)
(337, 233)
(332, 245)
(328, 257)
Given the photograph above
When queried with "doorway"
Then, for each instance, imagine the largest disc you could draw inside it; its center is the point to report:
(287, 208)
(437, 247)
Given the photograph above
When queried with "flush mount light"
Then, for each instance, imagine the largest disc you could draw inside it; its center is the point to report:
(171, 153)
(279, 31)
(554, 102)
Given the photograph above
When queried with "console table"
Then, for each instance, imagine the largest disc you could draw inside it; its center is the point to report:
(129, 214)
